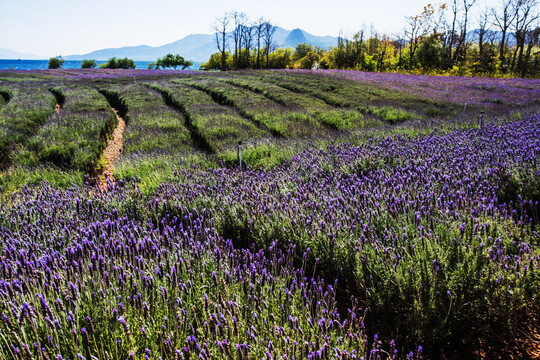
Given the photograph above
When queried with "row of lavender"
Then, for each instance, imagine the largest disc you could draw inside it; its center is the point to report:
(79, 280)
(430, 234)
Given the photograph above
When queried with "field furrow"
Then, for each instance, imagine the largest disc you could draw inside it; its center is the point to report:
(74, 138)
(156, 136)
(219, 127)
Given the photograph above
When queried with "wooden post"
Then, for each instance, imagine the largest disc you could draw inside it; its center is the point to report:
(240, 153)
(481, 119)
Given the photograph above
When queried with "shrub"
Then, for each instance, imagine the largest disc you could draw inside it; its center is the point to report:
(115, 63)
(88, 64)
(169, 61)
(56, 62)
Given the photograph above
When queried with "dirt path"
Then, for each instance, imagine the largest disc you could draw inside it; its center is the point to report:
(112, 152)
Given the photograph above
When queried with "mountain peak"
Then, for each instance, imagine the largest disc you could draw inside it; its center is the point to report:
(294, 38)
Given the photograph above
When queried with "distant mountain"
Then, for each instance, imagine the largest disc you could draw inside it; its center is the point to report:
(298, 36)
(294, 38)
(490, 35)
(10, 54)
(199, 47)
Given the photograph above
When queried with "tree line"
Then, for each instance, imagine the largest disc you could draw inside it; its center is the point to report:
(241, 43)
(168, 61)
(457, 38)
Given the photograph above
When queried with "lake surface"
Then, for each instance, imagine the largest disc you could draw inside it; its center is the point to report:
(68, 64)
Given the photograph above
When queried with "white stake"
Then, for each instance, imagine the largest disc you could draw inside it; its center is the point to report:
(240, 153)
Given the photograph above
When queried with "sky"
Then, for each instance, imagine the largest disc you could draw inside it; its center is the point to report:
(67, 27)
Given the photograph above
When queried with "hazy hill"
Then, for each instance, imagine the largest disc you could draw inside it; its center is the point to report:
(199, 47)
(10, 54)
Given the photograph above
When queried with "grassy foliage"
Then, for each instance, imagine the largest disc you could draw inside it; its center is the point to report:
(155, 138)
(214, 127)
(365, 97)
(73, 138)
(301, 115)
(28, 108)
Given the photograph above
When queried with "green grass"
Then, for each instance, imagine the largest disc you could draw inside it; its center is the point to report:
(29, 108)
(362, 96)
(74, 138)
(193, 119)
(306, 115)
(12, 179)
(215, 127)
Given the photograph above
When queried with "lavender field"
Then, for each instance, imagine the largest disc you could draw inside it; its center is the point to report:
(368, 220)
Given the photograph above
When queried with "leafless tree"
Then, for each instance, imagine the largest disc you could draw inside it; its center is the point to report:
(503, 20)
(525, 16)
(452, 35)
(239, 20)
(220, 28)
(419, 26)
(248, 31)
(461, 48)
(483, 24)
(269, 31)
(259, 34)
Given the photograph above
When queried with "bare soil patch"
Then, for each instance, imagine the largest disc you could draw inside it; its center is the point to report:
(112, 152)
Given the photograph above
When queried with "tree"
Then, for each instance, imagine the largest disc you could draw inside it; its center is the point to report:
(88, 64)
(110, 64)
(413, 33)
(484, 62)
(429, 52)
(126, 63)
(216, 62)
(239, 20)
(302, 50)
(269, 31)
(114, 63)
(173, 61)
(524, 17)
(259, 33)
(309, 61)
(280, 59)
(503, 21)
(221, 27)
(461, 48)
(245, 44)
(56, 62)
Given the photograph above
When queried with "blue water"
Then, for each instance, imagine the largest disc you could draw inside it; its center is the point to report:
(68, 64)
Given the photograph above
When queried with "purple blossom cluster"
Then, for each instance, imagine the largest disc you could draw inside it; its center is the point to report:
(398, 220)
(423, 233)
(78, 276)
